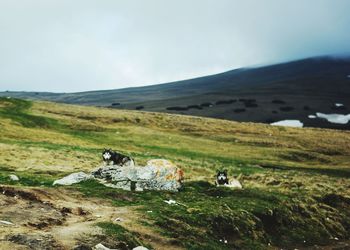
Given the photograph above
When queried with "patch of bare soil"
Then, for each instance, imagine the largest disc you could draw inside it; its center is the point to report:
(36, 218)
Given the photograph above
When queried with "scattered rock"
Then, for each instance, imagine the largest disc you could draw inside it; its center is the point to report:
(177, 108)
(102, 247)
(73, 178)
(82, 247)
(140, 248)
(139, 107)
(170, 202)
(206, 104)
(5, 222)
(158, 174)
(278, 102)
(287, 109)
(194, 107)
(225, 102)
(239, 110)
(13, 177)
(35, 241)
(80, 211)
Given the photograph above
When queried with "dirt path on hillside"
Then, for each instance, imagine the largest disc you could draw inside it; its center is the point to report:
(35, 218)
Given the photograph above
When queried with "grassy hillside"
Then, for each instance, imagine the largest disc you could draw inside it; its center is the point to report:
(296, 181)
(301, 88)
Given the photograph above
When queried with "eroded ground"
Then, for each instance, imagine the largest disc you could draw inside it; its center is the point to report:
(63, 219)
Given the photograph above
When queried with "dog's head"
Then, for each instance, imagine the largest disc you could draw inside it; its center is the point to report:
(107, 154)
(221, 175)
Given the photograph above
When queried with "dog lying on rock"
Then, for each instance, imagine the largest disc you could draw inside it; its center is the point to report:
(223, 180)
(110, 156)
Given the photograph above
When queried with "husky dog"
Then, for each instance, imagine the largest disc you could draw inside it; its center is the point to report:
(221, 178)
(108, 156)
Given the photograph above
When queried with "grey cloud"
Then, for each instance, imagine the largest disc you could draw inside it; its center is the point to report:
(63, 45)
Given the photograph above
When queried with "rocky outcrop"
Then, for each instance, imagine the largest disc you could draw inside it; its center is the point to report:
(156, 175)
(73, 178)
(13, 177)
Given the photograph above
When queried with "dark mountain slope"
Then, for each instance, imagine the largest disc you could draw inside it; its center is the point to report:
(291, 90)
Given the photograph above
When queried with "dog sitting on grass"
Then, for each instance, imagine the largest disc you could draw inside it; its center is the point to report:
(110, 156)
(223, 180)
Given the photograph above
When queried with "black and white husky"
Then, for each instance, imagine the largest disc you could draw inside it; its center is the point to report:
(221, 178)
(110, 156)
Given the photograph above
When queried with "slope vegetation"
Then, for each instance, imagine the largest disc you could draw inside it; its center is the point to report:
(296, 181)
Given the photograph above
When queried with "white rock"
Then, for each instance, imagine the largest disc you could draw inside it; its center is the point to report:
(6, 222)
(170, 202)
(156, 175)
(13, 177)
(140, 248)
(73, 178)
(335, 118)
(102, 247)
(289, 123)
(312, 116)
(339, 105)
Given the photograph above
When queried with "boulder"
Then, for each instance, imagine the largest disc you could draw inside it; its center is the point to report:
(140, 248)
(13, 177)
(158, 174)
(102, 247)
(73, 178)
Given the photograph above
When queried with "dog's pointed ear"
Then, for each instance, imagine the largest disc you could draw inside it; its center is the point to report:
(225, 171)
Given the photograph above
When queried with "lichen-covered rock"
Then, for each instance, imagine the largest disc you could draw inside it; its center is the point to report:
(73, 178)
(158, 174)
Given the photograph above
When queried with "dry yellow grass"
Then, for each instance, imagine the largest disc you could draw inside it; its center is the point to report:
(199, 145)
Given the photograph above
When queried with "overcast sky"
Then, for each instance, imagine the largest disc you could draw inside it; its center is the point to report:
(77, 45)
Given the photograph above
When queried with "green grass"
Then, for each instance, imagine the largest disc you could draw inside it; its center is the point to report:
(17, 111)
(127, 240)
(26, 178)
(249, 218)
(287, 173)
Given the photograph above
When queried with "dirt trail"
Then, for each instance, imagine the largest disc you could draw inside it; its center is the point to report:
(57, 218)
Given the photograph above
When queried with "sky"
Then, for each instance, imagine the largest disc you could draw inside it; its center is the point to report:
(80, 45)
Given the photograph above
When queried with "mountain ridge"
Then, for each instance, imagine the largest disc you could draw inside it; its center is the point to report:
(317, 83)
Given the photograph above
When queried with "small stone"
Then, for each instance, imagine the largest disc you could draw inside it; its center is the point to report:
(140, 248)
(13, 177)
(6, 222)
(102, 247)
(72, 179)
(170, 202)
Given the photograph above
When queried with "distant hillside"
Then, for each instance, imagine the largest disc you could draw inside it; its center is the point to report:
(292, 90)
